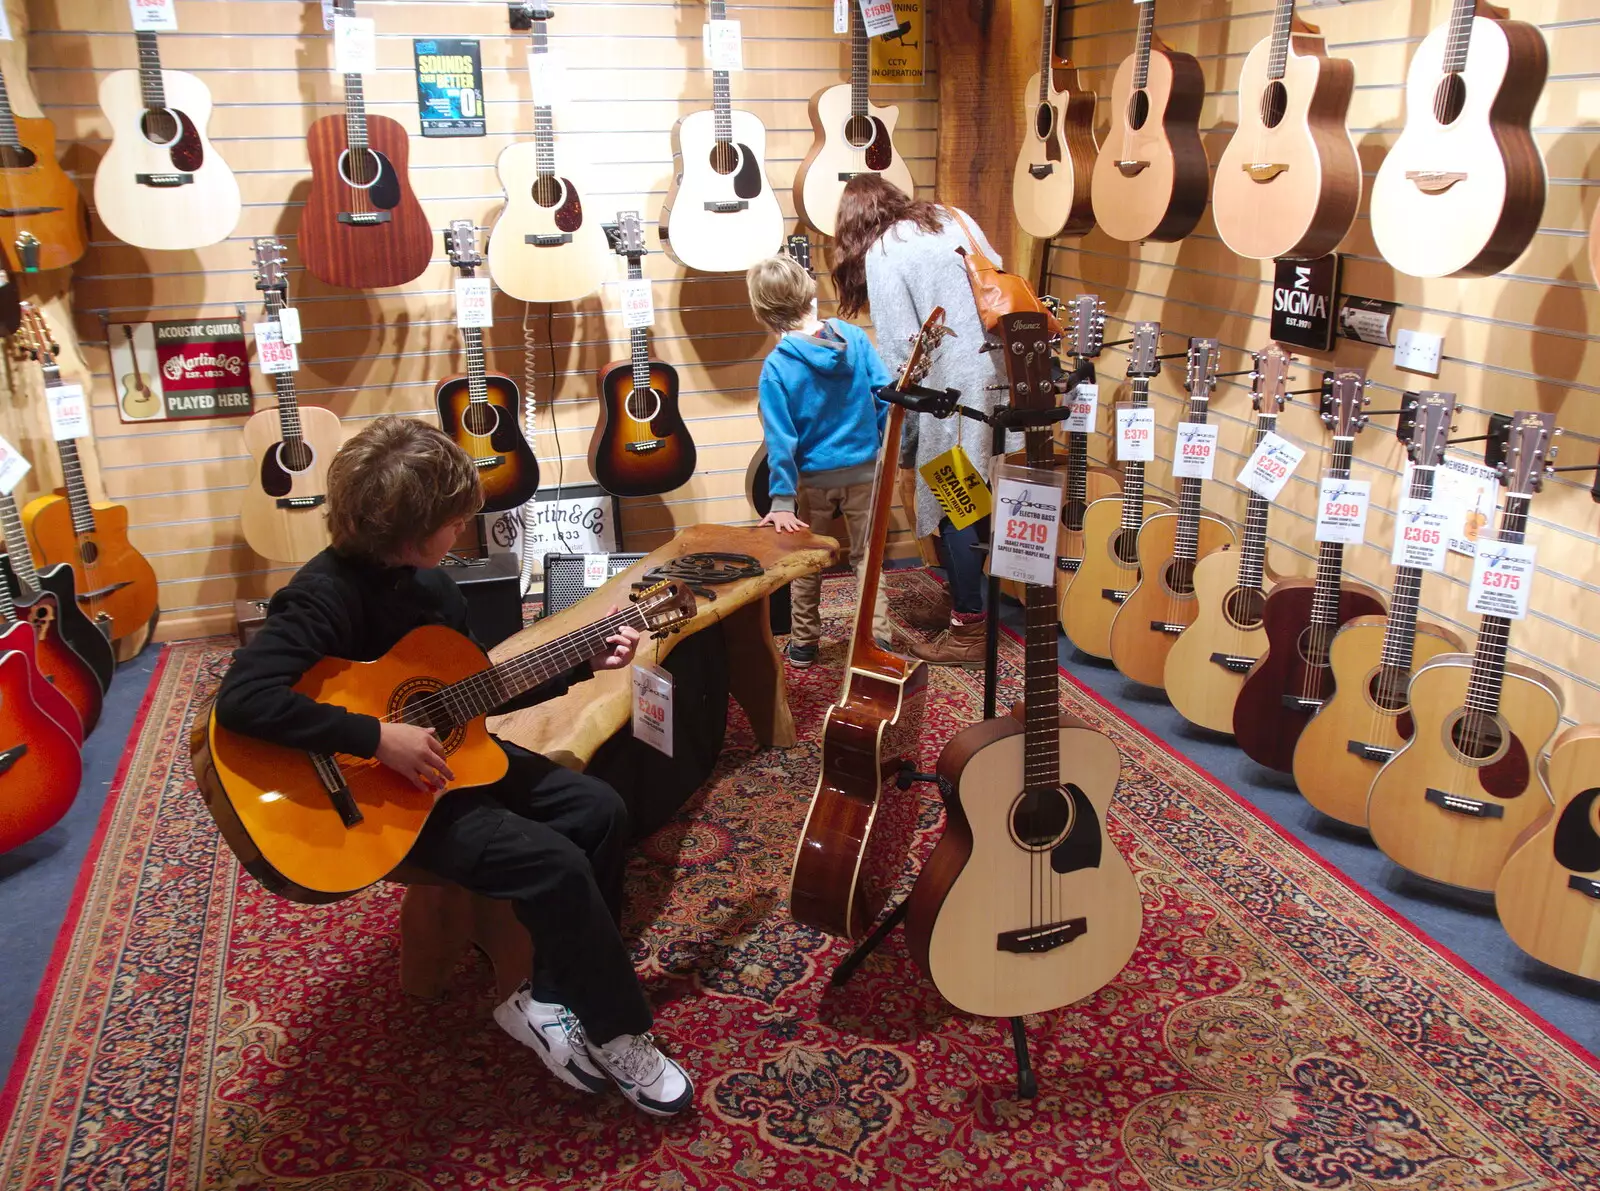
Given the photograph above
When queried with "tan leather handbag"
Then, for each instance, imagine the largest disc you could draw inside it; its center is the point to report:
(996, 291)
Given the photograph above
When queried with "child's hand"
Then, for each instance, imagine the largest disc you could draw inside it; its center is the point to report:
(620, 648)
(415, 754)
(784, 522)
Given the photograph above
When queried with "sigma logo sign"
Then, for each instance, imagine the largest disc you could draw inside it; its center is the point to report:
(1304, 295)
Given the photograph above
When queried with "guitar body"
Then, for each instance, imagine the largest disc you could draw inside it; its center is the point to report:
(1464, 849)
(980, 882)
(296, 844)
(193, 214)
(1050, 185)
(1264, 726)
(1099, 482)
(284, 509)
(20, 637)
(1208, 662)
(1548, 893)
(720, 222)
(640, 456)
(1164, 595)
(1292, 188)
(1151, 176)
(545, 246)
(395, 244)
(113, 578)
(491, 431)
(1464, 197)
(840, 151)
(40, 767)
(64, 671)
(53, 608)
(1110, 564)
(41, 201)
(138, 401)
(1334, 779)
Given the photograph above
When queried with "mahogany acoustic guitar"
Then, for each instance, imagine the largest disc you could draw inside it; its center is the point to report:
(40, 766)
(41, 212)
(1050, 185)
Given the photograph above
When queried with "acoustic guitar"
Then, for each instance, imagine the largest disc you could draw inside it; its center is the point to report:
(1462, 189)
(1289, 182)
(720, 215)
(1372, 657)
(161, 184)
(544, 247)
(283, 512)
(1025, 904)
(1461, 792)
(1548, 893)
(42, 221)
(61, 684)
(315, 827)
(852, 136)
(362, 227)
(114, 581)
(1050, 185)
(1151, 176)
(1163, 604)
(640, 445)
(858, 831)
(40, 767)
(480, 411)
(1085, 335)
(1209, 660)
(138, 399)
(1292, 679)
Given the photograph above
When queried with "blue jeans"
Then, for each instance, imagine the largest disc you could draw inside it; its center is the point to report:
(963, 565)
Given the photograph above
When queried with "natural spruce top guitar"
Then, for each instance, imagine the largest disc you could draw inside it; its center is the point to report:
(1085, 324)
(41, 212)
(1050, 185)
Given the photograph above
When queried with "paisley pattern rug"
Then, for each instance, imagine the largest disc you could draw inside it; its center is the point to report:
(1275, 1028)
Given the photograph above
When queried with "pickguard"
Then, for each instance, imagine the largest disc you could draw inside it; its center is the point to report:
(880, 150)
(1577, 843)
(384, 194)
(187, 152)
(1081, 848)
(275, 479)
(747, 182)
(569, 215)
(1508, 777)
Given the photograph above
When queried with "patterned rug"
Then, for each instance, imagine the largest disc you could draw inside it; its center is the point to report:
(1275, 1029)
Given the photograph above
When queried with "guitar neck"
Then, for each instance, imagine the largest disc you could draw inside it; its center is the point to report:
(1133, 470)
(283, 382)
(1400, 632)
(1077, 469)
(544, 125)
(862, 646)
(1494, 632)
(150, 87)
(355, 113)
(17, 546)
(1330, 555)
(639, 338)
(1186, 546)
(72, 469)
(1042, 686)
(1141, 61)
(721, 90)
(860, 62)
(1458, 40)
(1047, 46)
(8, 122)
(1253, 547)
(1282, 24)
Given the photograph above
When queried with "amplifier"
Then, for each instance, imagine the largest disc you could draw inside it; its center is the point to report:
(563, 578)
(494, 596)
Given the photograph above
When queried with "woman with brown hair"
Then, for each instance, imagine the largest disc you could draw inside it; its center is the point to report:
(899, 257)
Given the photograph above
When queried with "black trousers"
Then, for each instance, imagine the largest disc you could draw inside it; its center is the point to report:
(554, 843)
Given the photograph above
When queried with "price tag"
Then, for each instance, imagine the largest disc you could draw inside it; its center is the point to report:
(289, 320)
(652, 707)
(547, 72)
(957, 486)
(1029, 504)
(1421, 535)
(473, 305)
(327, 14)
(1470, 491)
(1270, 465)
(12, 467)
(638, 308)
(723, 46)
(69, 412)
(596, 569)
(273, 354)
(1085, 401)
(355, 44)
(1342, 510)
(879, 17)
(1194, 455)
(841, 16)
(154, 16)
(1136, 433)
(5, 24)
(1502, 573)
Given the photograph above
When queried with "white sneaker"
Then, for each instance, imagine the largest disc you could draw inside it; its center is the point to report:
(555, 1035)
(652, 1081)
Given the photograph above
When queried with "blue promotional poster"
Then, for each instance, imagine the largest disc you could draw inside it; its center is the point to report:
(449, 86)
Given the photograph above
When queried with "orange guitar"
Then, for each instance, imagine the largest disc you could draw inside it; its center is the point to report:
(39, 764)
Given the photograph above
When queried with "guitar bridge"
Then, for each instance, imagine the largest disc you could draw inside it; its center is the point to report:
(337, 789)
(163, 181)
(1301, 703)
(846, 175)
(1166, 626)
(1435, 181)
(1459, 804)
(1369, 752)
(363, 218)
(551, 240)
(1116, 597)
(488, 461)
(11, 756)
(1036, 940)
(100, 593)
(1042, 171)
(727, 207)
(1132, 169)
(1263, 171)
(301, 502)
(645, 446)
(1069, 565)
(1587, 886)
(1235, 662)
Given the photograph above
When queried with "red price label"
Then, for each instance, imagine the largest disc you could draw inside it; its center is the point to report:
(1027, 531)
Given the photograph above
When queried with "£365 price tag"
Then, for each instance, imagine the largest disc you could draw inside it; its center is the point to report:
(12, 467)
(1085, 401)
(638, 308)
(1270, 465)
(723, 46)
(652, 707)
(474, 306)
(1421, 535)
(154, 16)
(596, 569)
(1136, 433)
(1502, 573)
(1194, 455)
(273, 353)
(1342, 510)
(69, 412)
(1026, 522)
(355, 44)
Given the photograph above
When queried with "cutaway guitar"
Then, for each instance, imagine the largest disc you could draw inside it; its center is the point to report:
(42, 222)
(1050, 185)
(49, 599)
(40, 767)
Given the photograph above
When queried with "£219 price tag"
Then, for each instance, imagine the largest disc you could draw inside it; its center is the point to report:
(1136, 433)
(154, 16)
(1194, 455)
(474, 306)
(1421, 535)
(1342, 510)
(1026, 523)
(652, 707)
(355, 44)
(1085, 401)
(273, 353)
(1270, 465)
(596, 569)
(1502, 573)
(638, 308)
(69, 412)
(13, 466)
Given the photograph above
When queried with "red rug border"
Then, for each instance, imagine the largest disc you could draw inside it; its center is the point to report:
(51, 977)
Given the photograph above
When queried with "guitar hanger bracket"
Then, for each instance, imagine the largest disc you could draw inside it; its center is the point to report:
(1494, 442)
(522, 15)
(1594, 488)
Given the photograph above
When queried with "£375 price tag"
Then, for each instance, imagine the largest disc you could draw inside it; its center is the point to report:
(638, 307)
(596, 569)
(1502, 573)
(1342, 510)
(474, 306)
(273, 353)
(1028, 515)
(1421, 535)
(652, 706)
(355, 44)
(69, 412)
(1085, 400)
(1136, 433)
(13, 466)
(1270, 465)
(1194, 455)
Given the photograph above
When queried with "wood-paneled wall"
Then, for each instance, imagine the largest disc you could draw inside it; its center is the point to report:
(634, 69)
(1528, 338)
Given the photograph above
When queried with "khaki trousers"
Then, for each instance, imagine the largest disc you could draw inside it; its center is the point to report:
(814, 505)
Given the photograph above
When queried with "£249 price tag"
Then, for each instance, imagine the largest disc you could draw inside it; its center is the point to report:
(1270, 465)
(1502, 573)
(1136, 433)
(652, 706)
(1194, 455)
(1342, 510)
(273, 353)
(1421, 535)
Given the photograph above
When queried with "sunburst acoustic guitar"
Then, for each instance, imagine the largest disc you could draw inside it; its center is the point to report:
(1050, 184)
(41, 212)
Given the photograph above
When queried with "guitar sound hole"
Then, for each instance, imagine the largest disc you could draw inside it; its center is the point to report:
(1126, 547)
(1072, 515)
(360, 167)
(1180, 577)
(479, 419)
(1476, 735)
(424, 707)
(547, 190)
(1044, 121)
(160, 127)
(1243, 607)
(1388, 688)
(1449, 99)
(1138, 110)
(1274, 103)
(1041, 818)
(643, 405)
(295, 456)
(724, 157)
(858, 131)
(16, 157)
(89, 552)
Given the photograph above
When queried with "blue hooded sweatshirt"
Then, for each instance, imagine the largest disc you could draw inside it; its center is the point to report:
(821, 420)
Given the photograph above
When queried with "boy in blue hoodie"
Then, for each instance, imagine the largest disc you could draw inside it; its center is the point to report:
(823, 426)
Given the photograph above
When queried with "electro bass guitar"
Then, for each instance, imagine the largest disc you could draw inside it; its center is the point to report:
(40, 767)
(42, 222)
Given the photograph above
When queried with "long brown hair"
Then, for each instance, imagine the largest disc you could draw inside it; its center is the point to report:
(868, 208)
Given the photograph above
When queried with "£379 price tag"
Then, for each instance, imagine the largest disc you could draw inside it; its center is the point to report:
(1502, 573)
(1342, 510)
(1027, 517)
(1421, 535)
(1270, 465)
(1085, 400)
(69, 412)
(1194, 455)
(1136, 433)
(273, 353)
(652, 706)
(13, 466)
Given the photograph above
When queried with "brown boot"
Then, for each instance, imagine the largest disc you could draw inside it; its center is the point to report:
(958, 645)
(933, 618)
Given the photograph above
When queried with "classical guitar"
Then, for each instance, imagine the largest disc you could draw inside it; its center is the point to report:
(1163, 604)
(1026, 904)
(853, 136)
(1050, 185)
(138, 399)
(858, 831)
(1210, 658)
(1289, 182)
(481, 410)
(113, 579)
(1373, 657)
(316, 827)
(640, 445)
(161, 184)
(544, 246)
(1151, 175)
(1462, 189)
(42, 220)
(40, 767)
(1548, 893)
(1292, 679)
(362, 227)
(1461, 792)
(1085, 334)
(63, 687)
(283, 511)
(721, 215)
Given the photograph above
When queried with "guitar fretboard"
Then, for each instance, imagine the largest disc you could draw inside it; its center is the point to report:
(1047, 45)
(860, 62)
(1253, 548)
(1133, 470)
(1041, 748)
(544, 125)
(1494, 632)
(288, 401)
(1141, 61)
(1400, 633)
(1458, 40)
(17, 546)
(8, 122)
(150, 88)
(71, 468)
(721, 90)
(1282, 23)
(639, 337)
(1330, 567)
(1186, 545)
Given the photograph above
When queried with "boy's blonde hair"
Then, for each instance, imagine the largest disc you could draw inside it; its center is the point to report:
(781, 292)
(396, 483)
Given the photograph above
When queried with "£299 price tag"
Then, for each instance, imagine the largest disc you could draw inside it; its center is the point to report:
(652, 707)
(1136, 433)
(1194, 455)
(13, 466)
(474, 306)
(1342, 510)
(1502, 573)
(1085, 400)
(1270, 465)
(638, 307)
(1421, 535)
(355, 44)
(273, 353)
(1026, 522)
(69, 412)
(154, 16)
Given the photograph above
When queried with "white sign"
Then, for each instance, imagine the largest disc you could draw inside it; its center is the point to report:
(474, 306)
(69, 412)
(1085, 402)
(723, 45)
(1027, 516)
(555, 524)
(327, 14)
(1342, 510)
(355, 44)
(1470, 491)
(154, 16)
(879, 17)
(1270, 465)
(1421, 535)
(638, 307)
(1502, 573)
(5, 24)
(289, 320)
(12, 467)
(1136, 433)
(273, 355)
(1194, 455)
(596, 569)
(841, 16)
(652, 707)
(548, 75)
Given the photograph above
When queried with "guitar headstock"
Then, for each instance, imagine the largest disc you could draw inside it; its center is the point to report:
(1205, 357)
(271, 276)
(630, 236)
(1435, 412)
(461, 242)
(799, 247)
(1025, 335)
(1086, 322)
(924, 345)
(1146, 346)
(34, 337)
(1528, 452)
(665, 606)
(523, 15)
(1269, 382)
(1344, 415)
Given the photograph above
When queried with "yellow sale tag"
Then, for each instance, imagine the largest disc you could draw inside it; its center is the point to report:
(958, 487)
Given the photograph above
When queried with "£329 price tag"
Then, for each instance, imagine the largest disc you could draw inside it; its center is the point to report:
(273, 353)
(638, 308)
(1194, 455)
(652, 706)
(1136, 433)
(1342, 510)
(1026, 522)
(69, 412)
(355, 44)
(154, 16)
(596, 569)
(474, 306)
(1502, 573)
(1421, 535)
(1270, 465)
(1085, 401)
(12, 467)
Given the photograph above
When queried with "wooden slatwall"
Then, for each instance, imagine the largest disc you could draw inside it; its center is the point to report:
(1528, 338)
(634, 69)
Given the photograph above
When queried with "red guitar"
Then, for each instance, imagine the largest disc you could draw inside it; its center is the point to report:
(39, 764)
(67, 674)
(18, 635)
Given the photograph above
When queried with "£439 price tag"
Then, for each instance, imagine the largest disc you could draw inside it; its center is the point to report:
(13, 466)
(1342, 510)
(474, 306)
(273, 353)
(638, 307)
(1136, 433)
(1421, 535)
(1085, 401)
(355, 44)
(1194, 455)
(69, 412)
(596, 568)
(1502, 573)
(154, 16)
(1029, 515)
(652, 707)
(1270, 465)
